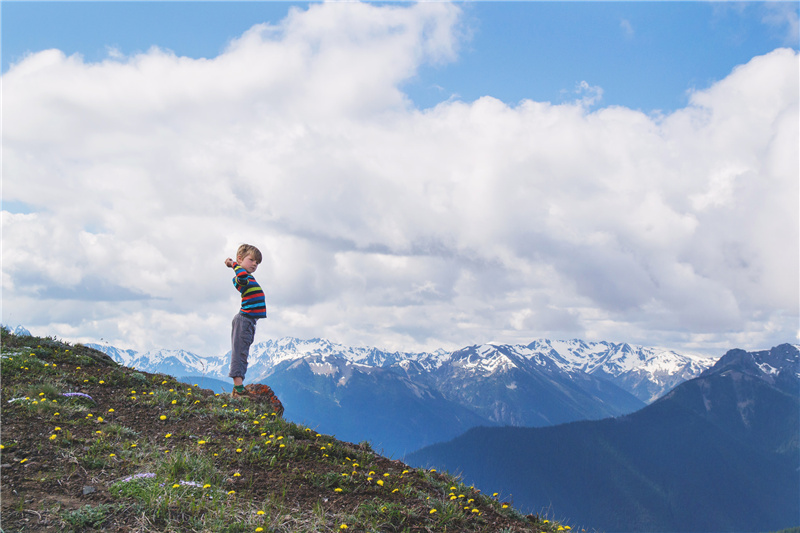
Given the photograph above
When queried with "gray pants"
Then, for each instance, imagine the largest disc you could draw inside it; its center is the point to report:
(242, 334)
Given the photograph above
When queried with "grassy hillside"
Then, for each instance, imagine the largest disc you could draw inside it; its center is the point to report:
(90, 445)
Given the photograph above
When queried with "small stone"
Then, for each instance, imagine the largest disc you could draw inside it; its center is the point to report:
(88, 490)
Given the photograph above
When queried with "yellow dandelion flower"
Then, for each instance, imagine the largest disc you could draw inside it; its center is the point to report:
(133, 445)
(282, 446)
(53, 437)
(337, 489)
(112, 455)
(56, 414)
(162, 417)
(102, 382)
(231, 492)
(238, 450)
(380, 482)
(343, 526)
(259, 529)
(206, 486)
(174, 402)
(505, 506)
(259, 512)
(201, 442)
(168, 435)
(24, 461)
(237, 474)
(432, 511)
(57, 429)
(395, 490)
(175, 486)
(99, 418)
(111, 410)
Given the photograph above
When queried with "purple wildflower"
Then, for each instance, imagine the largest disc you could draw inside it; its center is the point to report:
(82, 395)
(137, 476)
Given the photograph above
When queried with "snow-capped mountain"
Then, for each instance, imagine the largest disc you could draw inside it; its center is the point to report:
(416, 399)
(18, 330)
(644, 372)
(647, 373)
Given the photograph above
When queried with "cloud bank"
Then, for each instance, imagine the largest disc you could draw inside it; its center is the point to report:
(386, 225)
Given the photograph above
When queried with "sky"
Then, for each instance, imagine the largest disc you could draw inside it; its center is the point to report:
(417, 176)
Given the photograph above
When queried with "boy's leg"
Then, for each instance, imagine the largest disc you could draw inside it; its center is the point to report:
(242, 334)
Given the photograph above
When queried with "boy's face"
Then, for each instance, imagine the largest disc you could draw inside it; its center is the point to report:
(248, 263)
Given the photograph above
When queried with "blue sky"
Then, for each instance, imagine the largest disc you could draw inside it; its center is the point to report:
(644, 55)
(417, 176)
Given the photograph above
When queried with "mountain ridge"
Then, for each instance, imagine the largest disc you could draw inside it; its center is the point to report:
(660, 368)
(717, 453)
(539, 384)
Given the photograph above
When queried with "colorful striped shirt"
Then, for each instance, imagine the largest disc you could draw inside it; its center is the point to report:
(254, 303)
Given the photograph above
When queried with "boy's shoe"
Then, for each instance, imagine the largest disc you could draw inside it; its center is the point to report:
(239, 392)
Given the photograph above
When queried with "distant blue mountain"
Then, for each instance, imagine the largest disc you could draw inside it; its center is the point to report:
(718, 453)
(417, 399)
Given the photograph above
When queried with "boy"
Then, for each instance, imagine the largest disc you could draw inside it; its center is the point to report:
(253, 307)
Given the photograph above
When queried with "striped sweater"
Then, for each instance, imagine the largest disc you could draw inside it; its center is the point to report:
(254, 303)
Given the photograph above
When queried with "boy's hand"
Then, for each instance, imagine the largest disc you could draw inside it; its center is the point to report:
(229, 262)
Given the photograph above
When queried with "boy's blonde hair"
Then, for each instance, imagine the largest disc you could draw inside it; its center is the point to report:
(248, 249)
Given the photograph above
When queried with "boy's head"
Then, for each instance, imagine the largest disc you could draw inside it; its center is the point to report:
(248, 251)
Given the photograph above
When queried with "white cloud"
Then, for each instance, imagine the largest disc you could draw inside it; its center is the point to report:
(626, 27)
(783, 16)
(385, 225)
